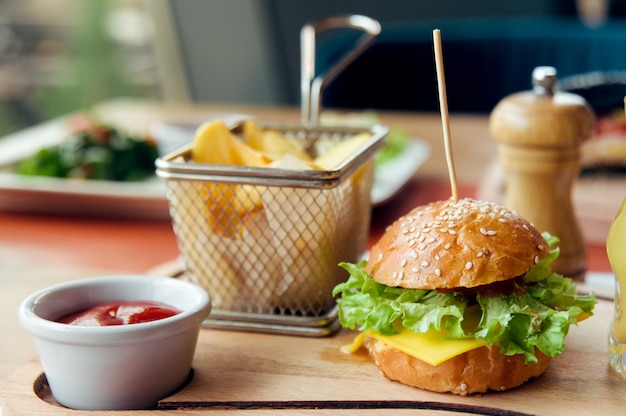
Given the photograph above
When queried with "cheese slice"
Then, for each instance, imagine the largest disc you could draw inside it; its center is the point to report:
(431, 347)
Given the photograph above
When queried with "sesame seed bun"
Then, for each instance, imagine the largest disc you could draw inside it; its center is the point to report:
(455, 244)
(476, 371)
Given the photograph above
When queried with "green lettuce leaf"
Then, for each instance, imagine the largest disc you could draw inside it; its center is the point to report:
(396, 143)
(537, 315)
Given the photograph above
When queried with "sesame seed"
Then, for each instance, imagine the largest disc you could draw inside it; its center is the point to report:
(446, 246)
(486, 251)
(491, 232)
(525, 227)
(452, 232)
(403, 263)
(479, 254)
(483, 231)
(413, 254)
(468, 265)
(401, 275)
(394, 275)
(437, 257)
(422, 246)
(443, 230)
(414, 270)
(380, 256)
(536, 259)
(431, 240)
(540, 247)
(438, 272)
(425, 264)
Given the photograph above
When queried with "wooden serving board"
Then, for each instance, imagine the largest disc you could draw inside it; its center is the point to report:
(253, 373)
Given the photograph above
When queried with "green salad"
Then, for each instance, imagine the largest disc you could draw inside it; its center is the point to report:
(396, 143)
(96, 152)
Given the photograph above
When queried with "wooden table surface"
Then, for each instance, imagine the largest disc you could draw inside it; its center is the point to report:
(314, 375)
(40, 250)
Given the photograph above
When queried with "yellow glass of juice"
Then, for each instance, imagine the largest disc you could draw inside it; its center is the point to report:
(616, 250)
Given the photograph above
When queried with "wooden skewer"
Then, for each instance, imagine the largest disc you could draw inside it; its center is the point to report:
(443, 106)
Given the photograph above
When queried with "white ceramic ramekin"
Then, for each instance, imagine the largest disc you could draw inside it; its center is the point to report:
(115, 367)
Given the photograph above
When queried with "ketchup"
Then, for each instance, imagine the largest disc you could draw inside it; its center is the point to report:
(120, 313)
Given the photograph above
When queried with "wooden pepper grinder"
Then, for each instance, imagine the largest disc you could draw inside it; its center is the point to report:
(539, 135)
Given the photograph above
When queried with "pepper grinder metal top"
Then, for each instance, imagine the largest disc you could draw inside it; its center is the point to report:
(544, 80)
(539, 135)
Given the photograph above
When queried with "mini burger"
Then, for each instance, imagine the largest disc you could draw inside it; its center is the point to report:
(458, 296)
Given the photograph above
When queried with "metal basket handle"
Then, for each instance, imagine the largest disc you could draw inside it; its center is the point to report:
(312, 86)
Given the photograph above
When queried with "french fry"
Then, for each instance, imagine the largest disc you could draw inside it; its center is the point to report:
(291, 162)
(253, 135)
(275, 146)
(272, 143)
(212, 144)
(228, 206)
(340, 152)
(215, 144)
(244, 155)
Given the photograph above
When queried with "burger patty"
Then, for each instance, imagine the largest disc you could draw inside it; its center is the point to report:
(502, 288)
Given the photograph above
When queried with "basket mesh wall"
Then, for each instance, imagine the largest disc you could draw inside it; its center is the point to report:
(271, 250)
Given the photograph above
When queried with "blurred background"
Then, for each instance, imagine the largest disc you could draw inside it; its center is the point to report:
(62, 56)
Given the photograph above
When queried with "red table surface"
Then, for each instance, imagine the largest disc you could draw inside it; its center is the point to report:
(136, 246)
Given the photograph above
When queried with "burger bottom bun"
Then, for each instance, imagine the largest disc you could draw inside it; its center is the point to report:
(475, 371)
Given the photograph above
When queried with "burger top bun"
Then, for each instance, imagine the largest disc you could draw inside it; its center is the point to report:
(455, 244)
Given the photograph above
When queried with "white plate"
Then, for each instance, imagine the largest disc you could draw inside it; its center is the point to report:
(36, 194)
(601, 281)
(145, 199)
(391, 176)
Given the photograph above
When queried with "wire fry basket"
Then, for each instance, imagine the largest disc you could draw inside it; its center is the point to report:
(265, 242)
